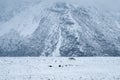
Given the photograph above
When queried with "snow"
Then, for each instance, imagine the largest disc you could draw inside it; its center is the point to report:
(58, 46)
(117, 23)
(24, 22)
(60, 68)
(74, 18)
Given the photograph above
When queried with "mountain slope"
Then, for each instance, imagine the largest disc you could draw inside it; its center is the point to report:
(61, 29)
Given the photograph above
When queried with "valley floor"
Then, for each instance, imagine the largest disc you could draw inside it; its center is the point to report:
(59, 68)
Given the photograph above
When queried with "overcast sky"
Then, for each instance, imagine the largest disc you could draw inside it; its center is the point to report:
(112, 4)
(7, 6)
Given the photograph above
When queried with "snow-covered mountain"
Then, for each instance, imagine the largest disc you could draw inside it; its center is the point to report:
(62, 28)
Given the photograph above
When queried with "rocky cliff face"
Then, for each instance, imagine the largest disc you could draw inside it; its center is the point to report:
(64, 29)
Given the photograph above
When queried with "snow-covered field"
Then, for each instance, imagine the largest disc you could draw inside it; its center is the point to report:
(57, 68)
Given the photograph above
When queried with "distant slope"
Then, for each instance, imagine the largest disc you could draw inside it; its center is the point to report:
(61, 29)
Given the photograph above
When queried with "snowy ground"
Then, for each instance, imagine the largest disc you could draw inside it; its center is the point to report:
(56, 68)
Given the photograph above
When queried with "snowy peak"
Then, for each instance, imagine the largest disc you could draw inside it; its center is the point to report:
(61, 29)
